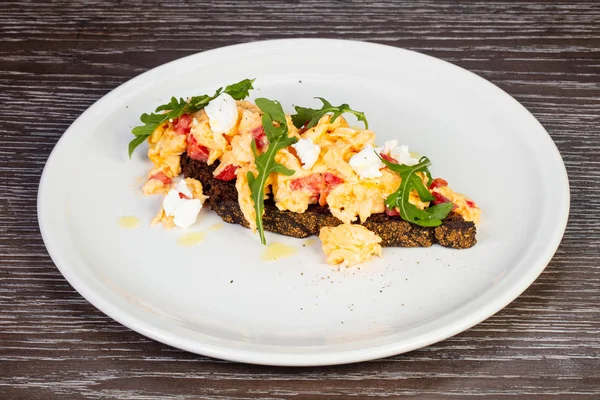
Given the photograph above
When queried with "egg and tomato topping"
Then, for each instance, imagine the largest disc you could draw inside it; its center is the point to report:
(463, 205)
(334, 165)
(222, 131)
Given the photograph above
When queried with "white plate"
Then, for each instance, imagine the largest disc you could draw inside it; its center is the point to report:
(219, 299)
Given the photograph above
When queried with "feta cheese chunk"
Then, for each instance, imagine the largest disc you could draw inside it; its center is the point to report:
(185, 215)
(307, 151)
(366, 163)
(399, 153)
(222, 113)
(182, 205)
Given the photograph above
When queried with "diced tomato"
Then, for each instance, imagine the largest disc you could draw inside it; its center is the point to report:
(228, 173)
(437, 182)
(297, 184)
(161, 176)
(389, 158)
(259, 136)
(318, 185)
(471, 203)
(392, 212)
(183, 124)
(183, 196)
(312, 183)
(331, 180)
(304, 128)
(439, 199)
(196, 151)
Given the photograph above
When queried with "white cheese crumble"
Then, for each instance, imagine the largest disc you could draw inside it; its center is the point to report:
(183, 208)
(222, 113)
(399, 153)
(366, 163)
(307, 151)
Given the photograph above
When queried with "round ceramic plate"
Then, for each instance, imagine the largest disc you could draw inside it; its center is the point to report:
(220, 299)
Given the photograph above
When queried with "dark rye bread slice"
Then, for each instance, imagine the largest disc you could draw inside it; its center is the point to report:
(454, 232)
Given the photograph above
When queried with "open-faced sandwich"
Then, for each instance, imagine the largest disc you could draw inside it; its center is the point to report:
(299, 175)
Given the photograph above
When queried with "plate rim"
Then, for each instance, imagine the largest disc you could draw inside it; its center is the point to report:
(295, 359)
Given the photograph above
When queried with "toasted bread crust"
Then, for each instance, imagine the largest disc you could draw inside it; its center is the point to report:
(454, 232)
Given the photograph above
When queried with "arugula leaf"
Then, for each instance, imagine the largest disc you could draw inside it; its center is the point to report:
(431, 216)
(240, 90)
(311, 116)
(276, 130)
(150, 120)
(176, 108)
(422, 191)
(136, 142)
(174, 104)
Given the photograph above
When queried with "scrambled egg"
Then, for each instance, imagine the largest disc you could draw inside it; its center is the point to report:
(158, 181)
(244, 197)
(362, 198)
(165, 147)
(346, 245)
(464, 206)
(347, 199)
(353, 198)
(286, 198)
(201, 134)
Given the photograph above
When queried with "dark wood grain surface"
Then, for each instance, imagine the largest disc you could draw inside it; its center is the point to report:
(57, 58)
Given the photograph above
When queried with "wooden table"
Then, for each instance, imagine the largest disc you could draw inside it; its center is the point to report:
(57, 59)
